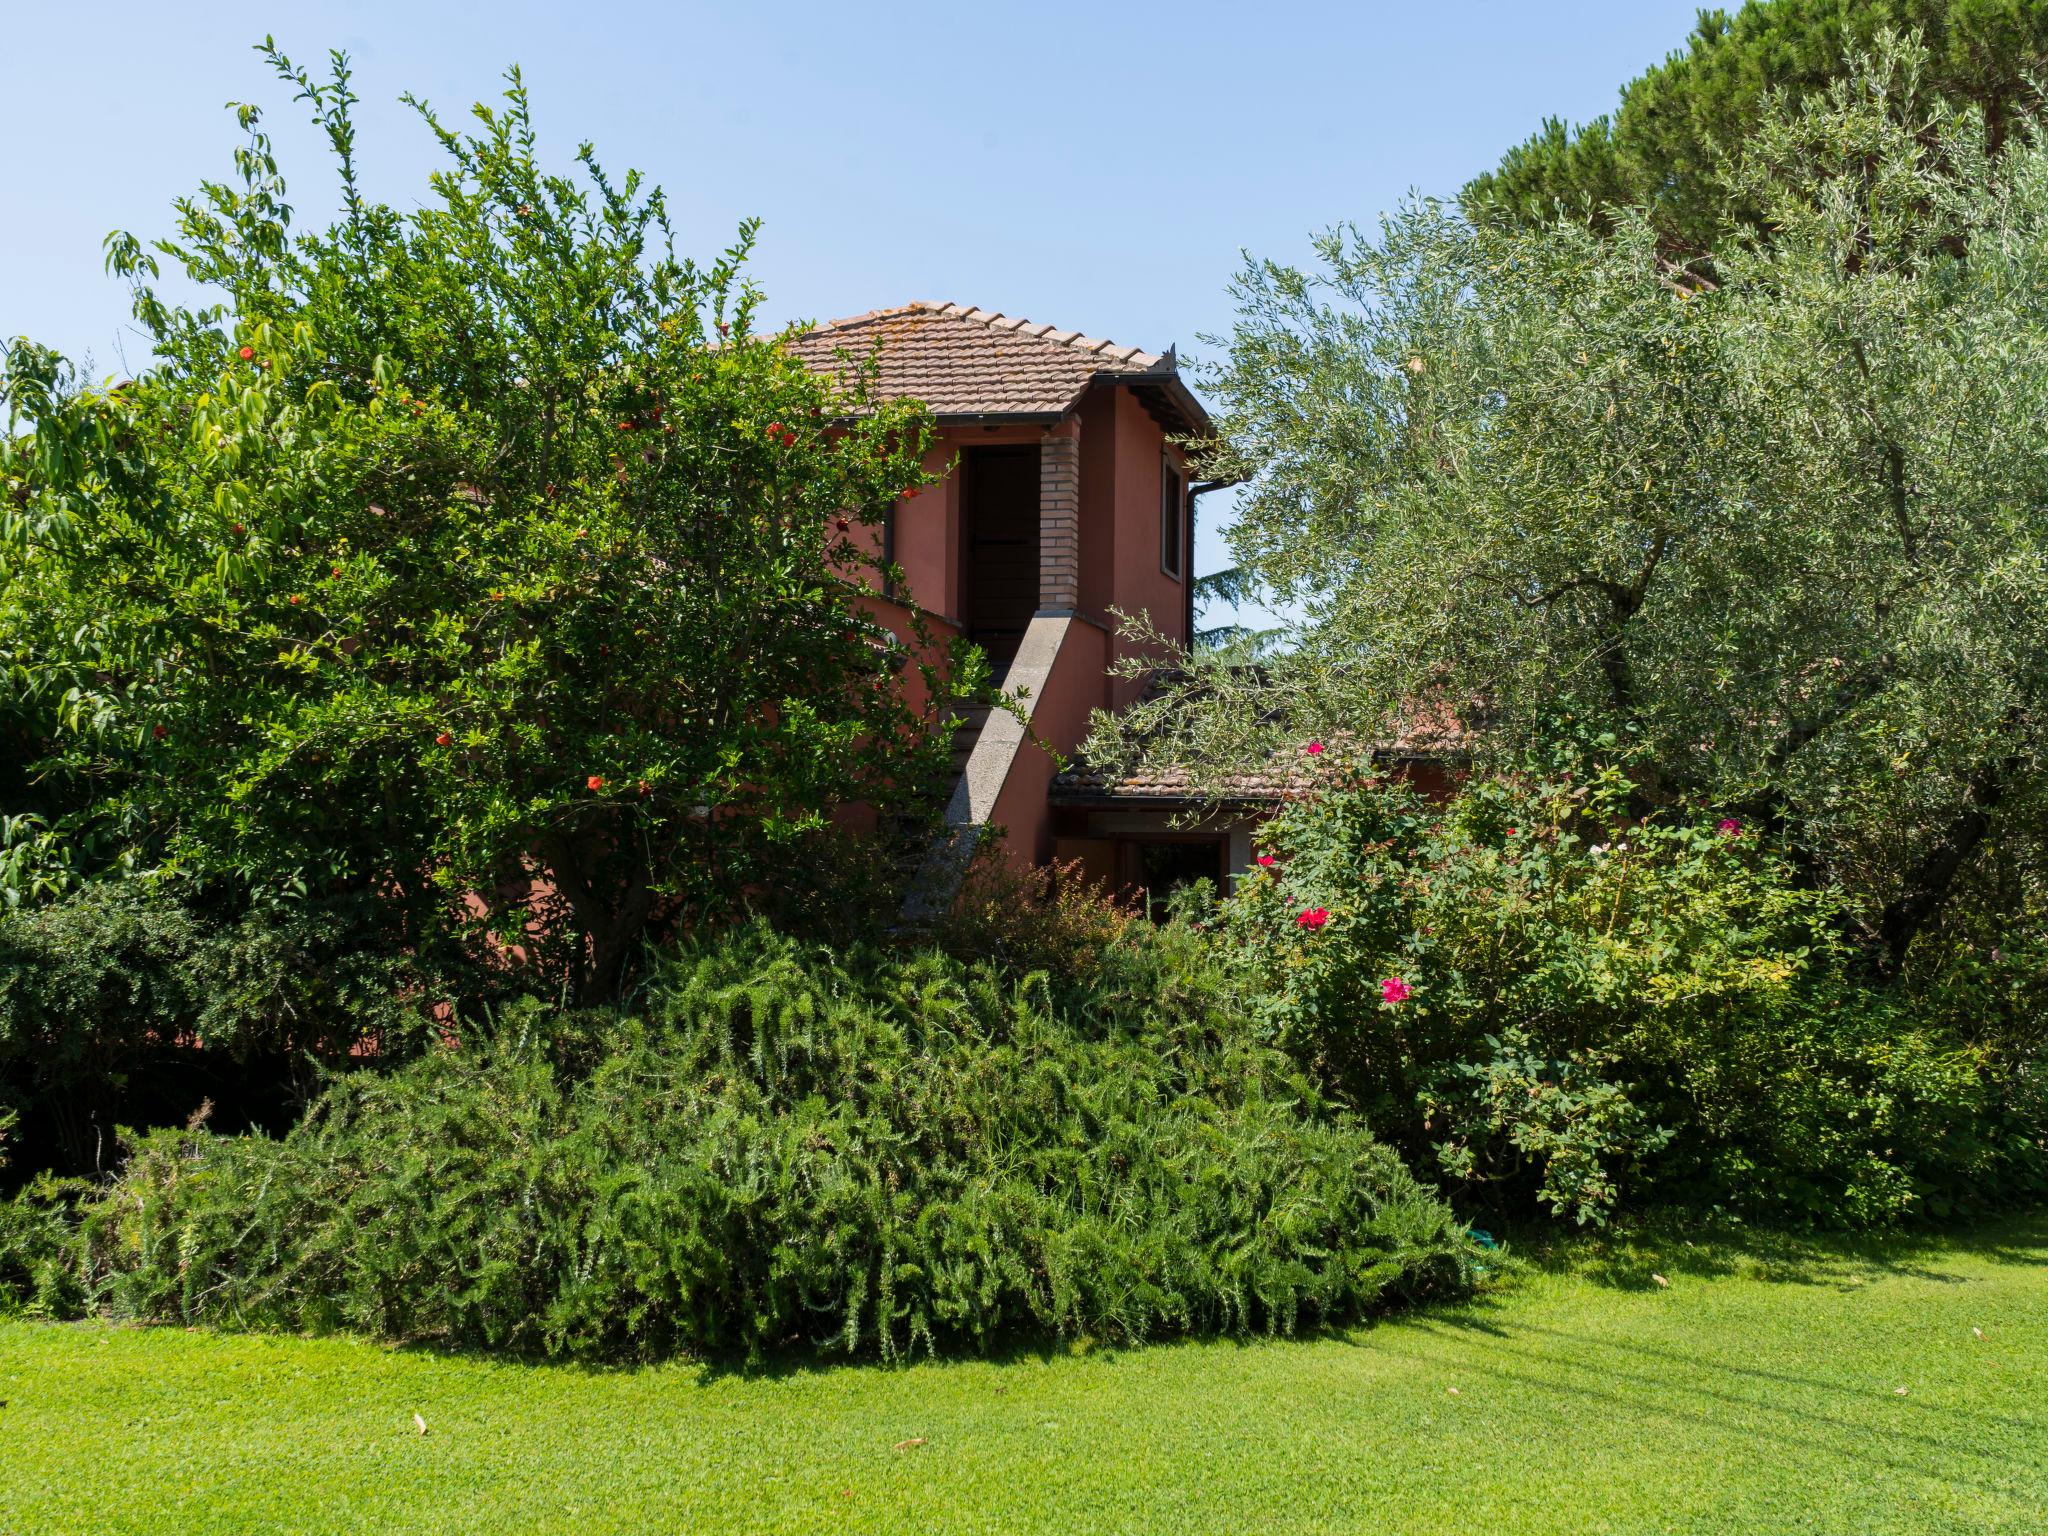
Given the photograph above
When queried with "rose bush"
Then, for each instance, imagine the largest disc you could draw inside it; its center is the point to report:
(1559, 1004)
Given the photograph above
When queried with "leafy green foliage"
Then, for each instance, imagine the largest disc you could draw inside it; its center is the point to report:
(108, 986)
(40, 1275)
(1567, 1005)
(775, 1148)
(1780, 535)
(1561, 1115)
(481, 559)
(1047, 919)
(1664, 148)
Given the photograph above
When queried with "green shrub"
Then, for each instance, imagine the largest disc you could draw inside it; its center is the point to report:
(105, 992)
(39, 1272)
(1585, 1005)
(775, 1148)
(1046, 918)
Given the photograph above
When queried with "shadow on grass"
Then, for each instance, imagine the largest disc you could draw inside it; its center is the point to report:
(1631, 1259)
(795, 1361)
(1707, 1367)
(1738, 1392)
(1794, 1423)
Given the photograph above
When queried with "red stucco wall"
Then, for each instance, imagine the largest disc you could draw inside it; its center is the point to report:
(896, 618)
(1121, 446)
(1075, 687)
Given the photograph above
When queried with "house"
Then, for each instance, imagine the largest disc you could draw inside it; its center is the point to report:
(1066, 499)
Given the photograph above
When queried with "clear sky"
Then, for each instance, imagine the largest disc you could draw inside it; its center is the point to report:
(1096, 166)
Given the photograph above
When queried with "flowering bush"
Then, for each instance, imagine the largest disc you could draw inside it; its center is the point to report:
(1558, 1004)
(480, 557)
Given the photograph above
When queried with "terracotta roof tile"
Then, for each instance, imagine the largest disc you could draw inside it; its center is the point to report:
(1425, 733)
(972, 362)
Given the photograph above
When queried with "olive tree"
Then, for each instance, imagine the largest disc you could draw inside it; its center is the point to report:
(1781, 534)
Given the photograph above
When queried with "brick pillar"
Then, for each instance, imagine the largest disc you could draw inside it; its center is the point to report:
(1059, 518)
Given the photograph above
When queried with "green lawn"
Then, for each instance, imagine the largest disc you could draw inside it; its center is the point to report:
(1757, 1393)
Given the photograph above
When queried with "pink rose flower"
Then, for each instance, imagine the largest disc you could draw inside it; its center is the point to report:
(1312, 917)
(1395, 990)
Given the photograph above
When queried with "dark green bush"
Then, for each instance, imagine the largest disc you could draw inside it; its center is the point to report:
(39, 1272)
(1586, 1006)
(125, 986)
(777, 1148)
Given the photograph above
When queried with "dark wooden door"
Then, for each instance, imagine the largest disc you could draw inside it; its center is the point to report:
(1002, 548)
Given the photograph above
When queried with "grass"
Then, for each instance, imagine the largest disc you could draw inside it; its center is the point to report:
(1757, 1392)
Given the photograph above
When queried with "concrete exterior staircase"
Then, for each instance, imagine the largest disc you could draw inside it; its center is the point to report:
(985, 748)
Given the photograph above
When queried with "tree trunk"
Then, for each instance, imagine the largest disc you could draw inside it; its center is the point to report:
(1932, 878)
(608, 923)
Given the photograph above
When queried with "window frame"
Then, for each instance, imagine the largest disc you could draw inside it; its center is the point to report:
(1172, 519)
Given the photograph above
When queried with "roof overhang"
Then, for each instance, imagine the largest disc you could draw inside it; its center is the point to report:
(998, 418)
(1171, 403)
(1165, 397)
(1097, 799)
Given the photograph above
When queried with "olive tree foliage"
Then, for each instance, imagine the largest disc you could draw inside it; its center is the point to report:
(479, 558)
(1782, 535)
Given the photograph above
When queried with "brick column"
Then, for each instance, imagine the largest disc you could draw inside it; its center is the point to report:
(1059, 518)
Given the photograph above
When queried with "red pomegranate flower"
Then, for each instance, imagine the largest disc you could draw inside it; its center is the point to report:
(594, 783)
(158, 732)
(246, 353)
(444, 740)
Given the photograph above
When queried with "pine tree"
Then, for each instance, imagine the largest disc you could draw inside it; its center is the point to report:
(1663, 145)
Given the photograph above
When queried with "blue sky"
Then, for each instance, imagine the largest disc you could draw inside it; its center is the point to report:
(1096, 166)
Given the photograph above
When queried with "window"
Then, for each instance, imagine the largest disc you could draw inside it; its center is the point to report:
(1169, 518)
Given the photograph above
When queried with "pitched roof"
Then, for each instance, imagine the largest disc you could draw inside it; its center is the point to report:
(974, 362)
